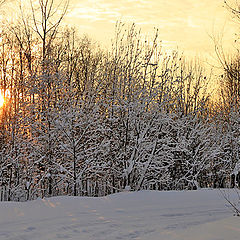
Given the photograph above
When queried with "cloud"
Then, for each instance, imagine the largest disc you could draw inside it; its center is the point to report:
(186, 22)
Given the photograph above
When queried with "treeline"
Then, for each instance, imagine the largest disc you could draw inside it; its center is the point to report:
(80, 120)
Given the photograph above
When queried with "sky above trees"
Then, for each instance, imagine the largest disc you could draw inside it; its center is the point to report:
(186, 24)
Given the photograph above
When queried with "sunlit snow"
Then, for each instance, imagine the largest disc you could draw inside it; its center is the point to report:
(150, 215)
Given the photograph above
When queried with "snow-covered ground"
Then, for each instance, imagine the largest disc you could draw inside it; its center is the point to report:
(145, 215)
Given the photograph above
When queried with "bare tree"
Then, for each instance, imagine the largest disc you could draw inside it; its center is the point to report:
(47, 20)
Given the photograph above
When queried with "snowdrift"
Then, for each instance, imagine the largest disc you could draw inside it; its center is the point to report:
(151, 215)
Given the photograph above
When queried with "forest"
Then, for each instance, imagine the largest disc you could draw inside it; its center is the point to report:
(82, 120)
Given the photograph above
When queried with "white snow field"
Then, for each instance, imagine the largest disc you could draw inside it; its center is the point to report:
(145, 215)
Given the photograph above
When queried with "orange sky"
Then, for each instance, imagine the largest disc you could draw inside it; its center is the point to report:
(183, 23)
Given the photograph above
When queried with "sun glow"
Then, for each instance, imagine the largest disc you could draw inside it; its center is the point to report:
(4, 96)
(2, 100)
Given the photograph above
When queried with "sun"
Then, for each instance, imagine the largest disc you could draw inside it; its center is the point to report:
(2, 100)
